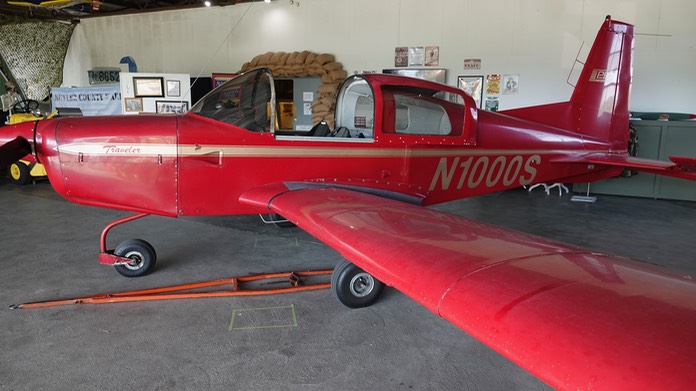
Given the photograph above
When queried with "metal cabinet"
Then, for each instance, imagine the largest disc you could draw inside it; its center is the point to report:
(656, 140)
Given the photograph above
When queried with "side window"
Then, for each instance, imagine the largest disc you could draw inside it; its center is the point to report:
(420, 116)
(417, 111)
(244, 101)
(355, 108)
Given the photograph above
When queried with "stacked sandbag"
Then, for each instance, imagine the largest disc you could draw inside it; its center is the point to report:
(307, 64)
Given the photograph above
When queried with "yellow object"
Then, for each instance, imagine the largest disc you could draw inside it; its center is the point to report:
(18, 118)
(287, 115)
(23, 171)
(21, 117)
(36, 171)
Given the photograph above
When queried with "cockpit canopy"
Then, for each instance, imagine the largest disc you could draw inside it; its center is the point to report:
(367, 107)
(247, 101)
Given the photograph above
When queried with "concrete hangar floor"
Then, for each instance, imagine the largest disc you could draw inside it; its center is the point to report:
(49, 250)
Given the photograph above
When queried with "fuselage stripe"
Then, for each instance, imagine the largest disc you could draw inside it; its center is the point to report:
(234, 151)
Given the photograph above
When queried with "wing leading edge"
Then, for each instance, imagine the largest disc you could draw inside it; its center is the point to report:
(574, 318)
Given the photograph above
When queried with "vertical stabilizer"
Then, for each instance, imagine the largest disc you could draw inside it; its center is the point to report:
(602, 91)
(599, 104)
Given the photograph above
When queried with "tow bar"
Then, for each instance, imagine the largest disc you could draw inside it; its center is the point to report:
(183, 291)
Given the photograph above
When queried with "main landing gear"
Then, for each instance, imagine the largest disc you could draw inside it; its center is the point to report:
(131, 258)
(354, 287)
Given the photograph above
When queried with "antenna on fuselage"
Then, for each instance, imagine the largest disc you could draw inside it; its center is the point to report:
(574, 74)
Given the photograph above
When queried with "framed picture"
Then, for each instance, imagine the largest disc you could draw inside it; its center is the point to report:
(173, 88)
(472, 85)
(170, 107)
(134, 105)
(401, 56)
(432, 56)
(152, 87)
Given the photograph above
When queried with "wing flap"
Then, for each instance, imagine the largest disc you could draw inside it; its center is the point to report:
(575, 319)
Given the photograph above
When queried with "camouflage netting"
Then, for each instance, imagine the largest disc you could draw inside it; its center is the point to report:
(307, 64)
(34, 52)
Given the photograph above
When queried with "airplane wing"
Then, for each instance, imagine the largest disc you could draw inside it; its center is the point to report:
(574, 318)
(679, 167)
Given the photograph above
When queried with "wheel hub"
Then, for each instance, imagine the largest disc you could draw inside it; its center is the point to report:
(136, 260)
(14, 172)
(362, 284)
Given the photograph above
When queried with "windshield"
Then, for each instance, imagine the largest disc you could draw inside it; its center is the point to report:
(246, 101)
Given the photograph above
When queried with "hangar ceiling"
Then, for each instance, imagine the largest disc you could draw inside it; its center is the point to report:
(91, 8)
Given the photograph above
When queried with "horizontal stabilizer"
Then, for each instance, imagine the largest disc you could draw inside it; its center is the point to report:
(687, 164)
(679, 167)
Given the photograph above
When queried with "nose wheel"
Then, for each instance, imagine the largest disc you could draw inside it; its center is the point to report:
(354, 287)
(142, 258)
(132, 258)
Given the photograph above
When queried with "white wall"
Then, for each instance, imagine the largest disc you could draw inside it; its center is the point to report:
(537, 39)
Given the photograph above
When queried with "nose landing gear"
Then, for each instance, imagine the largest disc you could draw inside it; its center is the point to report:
(133, 257)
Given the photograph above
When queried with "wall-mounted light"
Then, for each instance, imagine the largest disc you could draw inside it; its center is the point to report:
(266, 1)
(207, 3)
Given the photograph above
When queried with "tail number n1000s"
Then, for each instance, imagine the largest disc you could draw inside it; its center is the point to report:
(475, 171)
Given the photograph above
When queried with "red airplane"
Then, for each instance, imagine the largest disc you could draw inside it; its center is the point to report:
(574, 318)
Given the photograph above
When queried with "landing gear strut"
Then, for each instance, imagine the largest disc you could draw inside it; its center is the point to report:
(354, 287)
(133, 257)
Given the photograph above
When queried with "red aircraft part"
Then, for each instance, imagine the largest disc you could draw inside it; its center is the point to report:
(574, 318)
(198, 165)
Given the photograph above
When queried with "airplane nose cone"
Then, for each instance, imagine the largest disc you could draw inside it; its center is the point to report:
(13, 150)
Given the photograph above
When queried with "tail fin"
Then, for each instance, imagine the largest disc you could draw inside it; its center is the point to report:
(599, 104)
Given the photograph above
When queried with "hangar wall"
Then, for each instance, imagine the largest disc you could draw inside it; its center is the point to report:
(537, 39)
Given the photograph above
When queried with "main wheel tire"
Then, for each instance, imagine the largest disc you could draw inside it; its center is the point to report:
(354, 287)
(141, 253)
(20, 173)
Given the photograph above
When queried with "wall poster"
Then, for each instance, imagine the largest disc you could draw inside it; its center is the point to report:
(511, 84)
(472, 85)
(493, 84)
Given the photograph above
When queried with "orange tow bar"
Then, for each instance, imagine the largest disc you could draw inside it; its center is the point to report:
(183, 291)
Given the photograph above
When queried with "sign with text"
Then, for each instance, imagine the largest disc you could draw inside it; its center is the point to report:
(103, 76)
(100, 100)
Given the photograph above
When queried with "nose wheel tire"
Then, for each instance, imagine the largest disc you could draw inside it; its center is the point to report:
(354, 287)
(141, 254)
